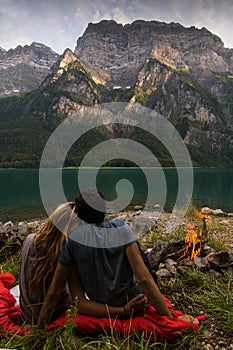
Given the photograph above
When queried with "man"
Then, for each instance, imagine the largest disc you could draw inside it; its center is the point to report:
(104, 267)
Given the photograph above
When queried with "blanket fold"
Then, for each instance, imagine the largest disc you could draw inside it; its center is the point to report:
(151, 323)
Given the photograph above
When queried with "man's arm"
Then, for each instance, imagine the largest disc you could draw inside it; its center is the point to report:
(148, 285)
(145, 280)
(93, 308)
(60, 277)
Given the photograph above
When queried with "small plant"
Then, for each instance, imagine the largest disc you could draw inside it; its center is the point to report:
(11, 264)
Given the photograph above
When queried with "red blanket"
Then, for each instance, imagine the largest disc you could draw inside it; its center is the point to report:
(151, 324)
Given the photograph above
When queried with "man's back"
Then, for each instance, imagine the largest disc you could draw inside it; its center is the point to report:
(98, 254)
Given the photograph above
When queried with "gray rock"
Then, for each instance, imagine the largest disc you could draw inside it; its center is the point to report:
(208, 347)
(8, 223)
(163, 273)
(219, 212)
(171, 268)
(220, 260)
(201, 263)
(186, 262)
(206, 210)
(162, 266)
(138, 207)
(172, 249)
(171, 262)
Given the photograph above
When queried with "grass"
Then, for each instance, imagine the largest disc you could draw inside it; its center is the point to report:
(190, 291)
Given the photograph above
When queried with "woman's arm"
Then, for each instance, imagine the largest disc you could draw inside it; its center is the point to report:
(145, 280)
(60, 277)
(93, 308)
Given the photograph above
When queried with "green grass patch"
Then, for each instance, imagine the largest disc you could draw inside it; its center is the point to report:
(190, 291)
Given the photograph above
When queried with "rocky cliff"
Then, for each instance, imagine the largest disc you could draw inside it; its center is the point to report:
(122, 50)
(185, 74)
(24, 68)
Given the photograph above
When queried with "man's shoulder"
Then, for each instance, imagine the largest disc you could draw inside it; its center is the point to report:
(114, 223)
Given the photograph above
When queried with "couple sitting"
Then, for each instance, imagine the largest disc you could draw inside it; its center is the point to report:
(77, 254)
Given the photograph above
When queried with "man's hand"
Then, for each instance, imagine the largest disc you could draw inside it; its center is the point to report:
(136, 305)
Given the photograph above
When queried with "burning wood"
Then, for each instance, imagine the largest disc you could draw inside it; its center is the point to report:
(195, 238)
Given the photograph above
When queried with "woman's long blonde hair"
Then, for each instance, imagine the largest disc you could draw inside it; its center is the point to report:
(48, 243)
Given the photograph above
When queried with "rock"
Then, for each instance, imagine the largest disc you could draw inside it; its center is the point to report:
(143, 222)
(8, 223)
(33, 224)
(162, 266)
(219, 212)
(171, 268)
(224, 222)
(220, 260)
(170, 265)
(207, 249)
(138, 212)
(12, 236)
(206, 210)
(158, 207)
(208, 347)
(21, 223)
(172, 249)
(201, 263)
(230, 271)
(138, 207)
(148, 251)
(163, 273)
(171, 262)
(186, 262)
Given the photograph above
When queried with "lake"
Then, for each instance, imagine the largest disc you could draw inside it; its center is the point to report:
(20, 194)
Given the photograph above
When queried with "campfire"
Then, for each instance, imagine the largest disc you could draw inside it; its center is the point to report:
(195, 238)
(169, 258)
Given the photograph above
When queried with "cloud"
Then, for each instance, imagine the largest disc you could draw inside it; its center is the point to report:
(116, 13)
(119, 15)
(78, 13)
(58, 23)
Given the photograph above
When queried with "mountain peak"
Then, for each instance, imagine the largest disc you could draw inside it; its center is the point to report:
(63, 64)
(25, 67)
(68, 56)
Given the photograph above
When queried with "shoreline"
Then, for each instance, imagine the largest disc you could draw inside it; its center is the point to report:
(134, 210)
(219, 223)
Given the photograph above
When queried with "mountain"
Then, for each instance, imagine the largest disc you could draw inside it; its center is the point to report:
(120, 51)
(185, 74)
(24, 68)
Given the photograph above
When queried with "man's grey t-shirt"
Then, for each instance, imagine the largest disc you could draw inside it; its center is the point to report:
(101, 262)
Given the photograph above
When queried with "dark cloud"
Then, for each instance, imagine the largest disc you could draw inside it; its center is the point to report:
(58, 23)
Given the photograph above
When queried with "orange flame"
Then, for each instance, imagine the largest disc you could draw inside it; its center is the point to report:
(194, 239)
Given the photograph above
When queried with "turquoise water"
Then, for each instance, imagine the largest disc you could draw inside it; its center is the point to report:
(20, 194)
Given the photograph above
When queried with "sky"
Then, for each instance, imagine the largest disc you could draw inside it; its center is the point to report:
(59, 23)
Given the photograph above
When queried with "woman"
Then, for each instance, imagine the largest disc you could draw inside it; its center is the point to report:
(38, 260)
